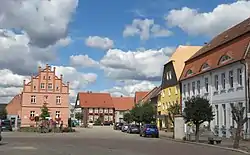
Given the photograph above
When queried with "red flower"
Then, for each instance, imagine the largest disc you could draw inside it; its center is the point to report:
(58, 119)
(32, 118)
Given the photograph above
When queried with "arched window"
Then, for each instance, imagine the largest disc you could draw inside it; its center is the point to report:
(224, 59)
(189, 72)
(204, 66)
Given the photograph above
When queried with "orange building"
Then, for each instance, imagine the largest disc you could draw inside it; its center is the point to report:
(45, 88)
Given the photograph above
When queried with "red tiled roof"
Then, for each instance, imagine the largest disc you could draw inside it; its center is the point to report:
(224, 37)
(123, 103)
(235, 49)
(139, 96)
(95, 100)
(148, 95)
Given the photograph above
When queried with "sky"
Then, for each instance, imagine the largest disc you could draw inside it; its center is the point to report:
(111, 46)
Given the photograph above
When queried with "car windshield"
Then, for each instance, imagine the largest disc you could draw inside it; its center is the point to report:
(151, 126)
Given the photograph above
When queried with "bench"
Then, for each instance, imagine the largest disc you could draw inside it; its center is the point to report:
(211, 140)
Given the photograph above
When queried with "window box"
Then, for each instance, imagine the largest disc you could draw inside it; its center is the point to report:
(239, 88)
(223, 91)
(206, 94)
(230, 89)
(216, 92)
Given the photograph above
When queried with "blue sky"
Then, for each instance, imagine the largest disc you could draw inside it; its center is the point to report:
(105, 46)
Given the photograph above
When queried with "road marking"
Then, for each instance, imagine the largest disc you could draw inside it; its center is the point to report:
(24, 148)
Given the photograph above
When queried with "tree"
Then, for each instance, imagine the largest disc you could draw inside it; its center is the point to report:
(174, 109)
(44, 112)
(127, 117)
(240, 119)
(143, 113)
(79, 116)
(3, 113)
(197, 111)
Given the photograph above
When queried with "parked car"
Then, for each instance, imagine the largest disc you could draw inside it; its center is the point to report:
(149, 130)
(6, 125)
(124, 127)
(118, 126)
(133, 128)
(0, 130)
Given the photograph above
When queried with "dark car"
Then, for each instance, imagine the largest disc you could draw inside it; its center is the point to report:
(149, 130)
(118, 126)
(6, 125)
(133, 128)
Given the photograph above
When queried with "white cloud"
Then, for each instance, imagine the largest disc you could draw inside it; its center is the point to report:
(137, 65)
(130, 87)
(99, 42)
(78, 80)
(145, 29)
(8, 79)
(209, 23)
(83, 61)
(44, 21)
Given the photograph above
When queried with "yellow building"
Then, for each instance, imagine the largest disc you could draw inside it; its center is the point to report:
(170, 93)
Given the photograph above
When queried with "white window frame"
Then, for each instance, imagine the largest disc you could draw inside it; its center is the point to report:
(239, 76)
(33, 99)
(206, 85)
(90, 110)
(231, 79)
(216, 82)
(106, 111)
(58, 114)
(100, 110)
(32, 113)
(96, 110)
(58, 99)
(42, 85)
(198, 83)
(110, 111)
(223, 81)
(50, 86)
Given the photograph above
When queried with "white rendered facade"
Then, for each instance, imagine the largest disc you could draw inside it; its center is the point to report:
(222, 87)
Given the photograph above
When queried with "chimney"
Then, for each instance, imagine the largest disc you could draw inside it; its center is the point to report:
(24, 82)
(54, 69)
(121, 96)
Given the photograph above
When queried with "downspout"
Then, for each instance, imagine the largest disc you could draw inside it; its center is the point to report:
(246, 92)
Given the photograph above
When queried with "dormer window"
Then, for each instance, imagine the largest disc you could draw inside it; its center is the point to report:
(189, 72)
(205, 66)
(224, 59)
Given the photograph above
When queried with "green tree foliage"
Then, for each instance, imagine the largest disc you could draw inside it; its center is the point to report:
(127, 117)
(143, 113)
(197, 111)
(240, 119)
(3, 113)
(79, 116)
(44, 112)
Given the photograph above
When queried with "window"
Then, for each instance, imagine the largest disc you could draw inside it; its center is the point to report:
(105, 110)
(176, 90)
(184, 89)
(34, 87)
(216, 82)
(239, 76)
(224, 114)
(224, 59)
(198, 86)
(110, 110)
(206, 85)
(188, 89)
(240, 104)
(169, 91)
(100, 110)
(96, 110)
(33, 99)
(58, 114)
(189, 72)
(44, 77)
(96, 117)
(42, 86)
(32, 113)
(49, 77)
(90, 118)
(57, 88)
(106, 118)
(232, 120)
(169, 75)
(204, 66)
(50, 86)
(193, 88)
(223, 80)
(90, 110)
(58, 100)
(110, 118)
(231, 79)
(217, 114)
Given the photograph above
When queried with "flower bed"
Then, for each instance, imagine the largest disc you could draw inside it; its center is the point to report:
(45, 130)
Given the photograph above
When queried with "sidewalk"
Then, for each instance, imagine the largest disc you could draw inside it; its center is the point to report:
(226, 143)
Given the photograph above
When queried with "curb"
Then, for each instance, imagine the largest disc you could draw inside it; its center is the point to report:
(204, 144)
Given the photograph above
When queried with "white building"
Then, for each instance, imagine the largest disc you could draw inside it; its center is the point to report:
(219, 72)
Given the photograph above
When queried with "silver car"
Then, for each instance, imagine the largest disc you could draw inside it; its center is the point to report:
(124, 127)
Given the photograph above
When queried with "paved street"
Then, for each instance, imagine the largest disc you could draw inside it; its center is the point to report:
(97, 141)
